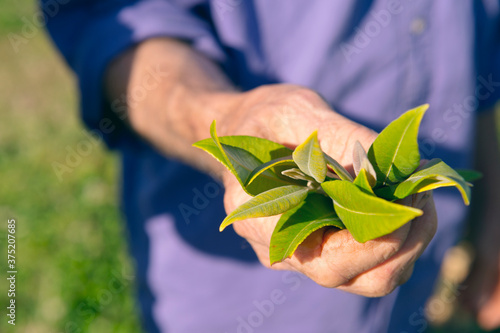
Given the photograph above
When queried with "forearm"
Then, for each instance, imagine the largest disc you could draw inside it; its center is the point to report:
(179, 111)
(175, 108)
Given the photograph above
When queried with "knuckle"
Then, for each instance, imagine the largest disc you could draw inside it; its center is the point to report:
(390, 278)
(305, 94)
(384, 249)
(387, 246)
(390, 248)
(302, 98)
(384, 287)
(406, 275)
(331, 281)
(329, 278)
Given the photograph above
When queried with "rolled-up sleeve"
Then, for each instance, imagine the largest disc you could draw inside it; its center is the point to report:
(91, 33)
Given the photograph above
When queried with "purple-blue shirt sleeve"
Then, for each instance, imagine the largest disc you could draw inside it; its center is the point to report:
(487, 55)
(90, 33)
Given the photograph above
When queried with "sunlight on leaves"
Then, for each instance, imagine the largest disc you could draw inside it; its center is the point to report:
(365, 216)
(294, 226)
(394, 154)
(337, 168)
(309, 158)
(269, 203)
(360, 161)
(293, 183)
(433, 175)
(363, 183)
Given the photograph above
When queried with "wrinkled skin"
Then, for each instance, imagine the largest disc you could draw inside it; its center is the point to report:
(332, 258)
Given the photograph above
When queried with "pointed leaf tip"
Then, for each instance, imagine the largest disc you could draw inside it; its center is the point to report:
(433, 175)
(394, 154)
(266, 167)
(360, 161)
(363, 182)
(273, 202)
(243, 154)
(294, 226)
(367, 216)
(309, 158)
(337, 168)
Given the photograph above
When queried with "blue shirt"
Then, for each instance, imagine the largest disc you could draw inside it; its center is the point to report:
(371, 60)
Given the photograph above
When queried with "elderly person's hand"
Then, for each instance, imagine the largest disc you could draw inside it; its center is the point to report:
(190, 92)
(332, 258)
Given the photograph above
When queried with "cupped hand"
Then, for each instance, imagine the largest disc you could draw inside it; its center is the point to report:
(332, 258)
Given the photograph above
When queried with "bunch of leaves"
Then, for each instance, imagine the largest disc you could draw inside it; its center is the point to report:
(312, 190)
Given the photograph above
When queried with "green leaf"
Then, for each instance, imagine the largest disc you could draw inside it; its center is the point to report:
(363, 183)
(286, 161)
(298, 223)
(360, 161)
(309, 158)
(433, 175)
(295, 173)
(241, 161)
(394, 154)
(242, 154)
(365, 216)
(265, 150)
(269, 203)
(469, 175)
(339, 169)
(243, 164)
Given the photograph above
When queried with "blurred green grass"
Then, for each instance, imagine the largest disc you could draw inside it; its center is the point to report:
(74, 273)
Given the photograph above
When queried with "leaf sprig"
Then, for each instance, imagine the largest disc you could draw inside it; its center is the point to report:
(312, 190)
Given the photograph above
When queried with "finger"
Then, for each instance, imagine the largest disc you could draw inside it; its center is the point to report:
(257, 230)
(384, 278)
(262, 252)
(339, 257)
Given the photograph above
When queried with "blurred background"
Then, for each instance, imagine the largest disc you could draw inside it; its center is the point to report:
(74, 273)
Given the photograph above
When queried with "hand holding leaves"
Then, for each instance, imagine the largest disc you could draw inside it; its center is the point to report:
(312, 190)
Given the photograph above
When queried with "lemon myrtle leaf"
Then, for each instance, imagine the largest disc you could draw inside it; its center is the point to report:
(309, 158)
(433, 175)
(294, 226)
(337, 168)
(272, 202)
(363, 183)
(360, 161)
(366, 216)
(242, 154)
(265, 150)
(394, 154)
(295, 173)
(282, 161)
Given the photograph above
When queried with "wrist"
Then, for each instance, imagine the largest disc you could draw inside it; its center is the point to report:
(201, 108)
